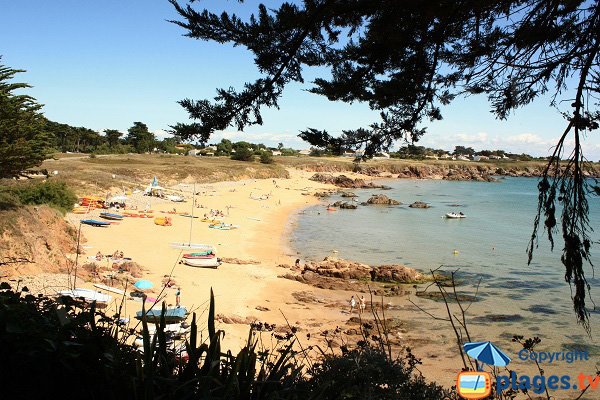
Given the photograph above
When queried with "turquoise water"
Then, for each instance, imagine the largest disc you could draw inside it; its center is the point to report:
(489, 244)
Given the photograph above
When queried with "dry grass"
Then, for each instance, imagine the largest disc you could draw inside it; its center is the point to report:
(132, 171)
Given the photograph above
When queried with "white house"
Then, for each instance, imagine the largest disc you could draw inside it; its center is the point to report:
(480, 158)
(494, 157)
(276, 153)
(211, 148)
(463, 158)
(193, 152)
(304, 152)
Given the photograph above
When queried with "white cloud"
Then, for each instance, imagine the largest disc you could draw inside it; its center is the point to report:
(481, 137)
(527, 138)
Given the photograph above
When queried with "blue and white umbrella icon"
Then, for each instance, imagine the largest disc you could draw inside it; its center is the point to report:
(487, 353)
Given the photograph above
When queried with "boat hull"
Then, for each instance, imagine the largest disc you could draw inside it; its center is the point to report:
(202, 263)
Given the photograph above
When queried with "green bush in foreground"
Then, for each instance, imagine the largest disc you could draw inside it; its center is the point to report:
(53, 193)
(266, 157)
(64, 349)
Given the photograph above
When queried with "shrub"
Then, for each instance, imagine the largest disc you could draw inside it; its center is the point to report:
(266, 157)
(243, 154)
(53, 193)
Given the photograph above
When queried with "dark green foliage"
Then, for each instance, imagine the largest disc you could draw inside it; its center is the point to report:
(243, 154)
(112, 137)
(24, 141)
(65, 349)
(53, 193)
(366, 373)
(140, 138)
(49, 351)
(266, 157)
(406, 59)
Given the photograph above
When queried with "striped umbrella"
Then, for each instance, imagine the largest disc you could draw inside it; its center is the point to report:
(487, 353)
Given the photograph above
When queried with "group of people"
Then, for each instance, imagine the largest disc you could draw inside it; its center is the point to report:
(117, 255)
(214, 213)
(362, 304)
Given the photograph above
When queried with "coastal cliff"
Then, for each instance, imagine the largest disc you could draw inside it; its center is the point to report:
(446, 170)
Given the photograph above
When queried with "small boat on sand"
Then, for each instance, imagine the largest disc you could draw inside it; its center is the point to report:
(223, 226)
(111, 216)
(199, 256)
(88, 295)
(454, 215)
(94, 222)
(195, 246)
(172, 315)
(202, 262)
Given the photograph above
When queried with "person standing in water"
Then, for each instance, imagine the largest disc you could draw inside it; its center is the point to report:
(178, 297)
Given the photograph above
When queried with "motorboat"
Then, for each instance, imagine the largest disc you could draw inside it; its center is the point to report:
(454, 215)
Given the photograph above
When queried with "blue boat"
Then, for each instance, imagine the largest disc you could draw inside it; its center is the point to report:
(94, 222)
(112, 216)
(172, 315)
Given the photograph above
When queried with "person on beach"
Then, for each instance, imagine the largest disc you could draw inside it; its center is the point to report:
(352, 304)
(98, 256)
(363, 304)
(178, 297)
(297, 265)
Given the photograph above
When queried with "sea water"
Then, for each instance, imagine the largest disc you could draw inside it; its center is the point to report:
(487, 248)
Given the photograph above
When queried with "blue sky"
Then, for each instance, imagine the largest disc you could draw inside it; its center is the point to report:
(105, 64)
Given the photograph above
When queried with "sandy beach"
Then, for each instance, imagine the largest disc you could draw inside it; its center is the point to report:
(239, 288)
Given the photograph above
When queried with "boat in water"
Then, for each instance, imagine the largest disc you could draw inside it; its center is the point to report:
(453, 215)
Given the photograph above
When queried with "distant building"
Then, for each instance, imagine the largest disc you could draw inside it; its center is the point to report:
(432, 157)
(304, 152)
(494, 157)
(212, 148)
(276, 153)
(480, 158)
(446, 156)
(463, 158)
(193, 152)
(348, 154)
(209, 154)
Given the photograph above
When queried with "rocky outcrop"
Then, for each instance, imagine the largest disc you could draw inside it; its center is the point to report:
(345, 205)
(419, 204)
(338, 268)
(396, 273)
(345, 182)
(349, 194)
(382, 199)
(338, 274)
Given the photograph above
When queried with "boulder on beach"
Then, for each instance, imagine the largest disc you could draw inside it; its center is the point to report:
(419, 204)
(339, 268)
(396, 273)
(382, 199)
(349, 194)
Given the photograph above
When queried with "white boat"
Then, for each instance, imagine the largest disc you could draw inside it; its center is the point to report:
(187, 246)
(202, 262)
(175, 198)
(455, 215)
(87, 295)
(109, 288)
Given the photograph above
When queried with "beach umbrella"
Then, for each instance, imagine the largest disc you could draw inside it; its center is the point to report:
(487, 353)
(143, 284)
